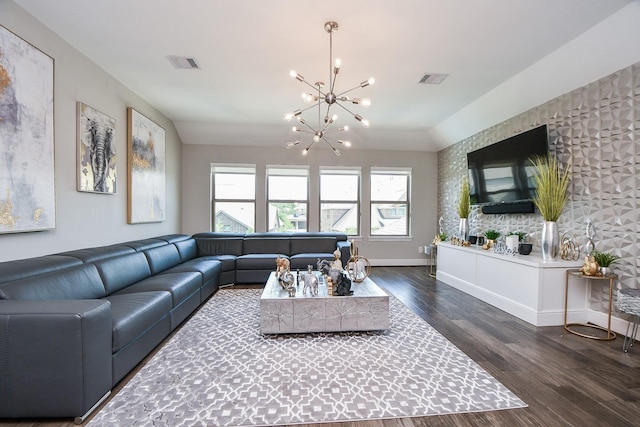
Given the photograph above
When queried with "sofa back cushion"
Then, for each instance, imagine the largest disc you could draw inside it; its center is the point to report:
(144, 244)
(302, 245)
(162, 258)
(219, 244)
(78, 282)
(97, 253)
(122, 271)
(21, 268)
(187, 249)
(266, 243)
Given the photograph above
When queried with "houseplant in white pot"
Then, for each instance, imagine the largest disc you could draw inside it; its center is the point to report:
(464, 208)
(551, 196)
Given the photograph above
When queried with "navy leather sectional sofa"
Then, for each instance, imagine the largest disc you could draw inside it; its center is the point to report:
(73, 324)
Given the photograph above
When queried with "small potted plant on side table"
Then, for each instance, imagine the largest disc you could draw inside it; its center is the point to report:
(604, 261)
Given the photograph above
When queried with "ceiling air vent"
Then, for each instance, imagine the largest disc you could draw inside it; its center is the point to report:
(183, 62)
(433, 78)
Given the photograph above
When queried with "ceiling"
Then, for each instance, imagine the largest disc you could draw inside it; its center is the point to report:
(246, 48)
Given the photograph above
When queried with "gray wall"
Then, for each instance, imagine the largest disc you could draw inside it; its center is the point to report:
(85, 219)
(595, 131)
(196, 191)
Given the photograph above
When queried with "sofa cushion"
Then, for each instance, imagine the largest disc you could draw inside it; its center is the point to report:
(135, 313)
(264, 243)
(180, 285)
(94, 254)
(21, 268)
(257, 261)
(301, 261)
(173, 238)
(187, 249)
(78, 282)
(219, 243)
(144, 244)
(162, 258)
(208, 267)
(122, 271)
(301, 245)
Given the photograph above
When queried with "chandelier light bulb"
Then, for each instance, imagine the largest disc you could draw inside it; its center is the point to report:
(338, 62)
(345, 143)
(307, 97)
(336, 151)
(292, 144)
(366, 102)
(344, 129)
(316, 138)
(365, 123)
(295, 129)
(289, 116)
(305, 151)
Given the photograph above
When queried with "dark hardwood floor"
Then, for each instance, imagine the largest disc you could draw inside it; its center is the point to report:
(566, 380)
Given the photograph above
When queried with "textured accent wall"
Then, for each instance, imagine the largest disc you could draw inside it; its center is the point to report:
(595, 130)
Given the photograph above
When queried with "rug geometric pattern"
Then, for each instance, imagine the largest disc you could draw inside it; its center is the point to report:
(219, 370)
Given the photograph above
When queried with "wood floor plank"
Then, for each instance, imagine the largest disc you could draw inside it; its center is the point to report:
(566, 380)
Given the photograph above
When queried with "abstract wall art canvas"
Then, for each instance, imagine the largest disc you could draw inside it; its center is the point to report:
(96, 151)
(146, 201)
(27, 189)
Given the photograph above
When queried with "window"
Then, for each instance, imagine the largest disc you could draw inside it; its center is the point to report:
(340, 200)
(390, 201)
(234, 198)
(287, 198)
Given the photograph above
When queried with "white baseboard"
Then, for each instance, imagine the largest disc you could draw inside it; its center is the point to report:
(398, 262)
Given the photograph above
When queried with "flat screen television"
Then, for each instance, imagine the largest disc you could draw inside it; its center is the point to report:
(502, 173)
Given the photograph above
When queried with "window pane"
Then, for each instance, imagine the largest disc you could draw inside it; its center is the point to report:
(339, 187)
(389, 187)
(287, 187)
(389, 219)
(287, 217)
(234, 217)
(234, 186)
(339, 217)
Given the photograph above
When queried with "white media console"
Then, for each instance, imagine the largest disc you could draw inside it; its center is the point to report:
(522, 285)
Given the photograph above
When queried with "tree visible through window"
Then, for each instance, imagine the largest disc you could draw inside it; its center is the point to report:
(390, 202)
(234, 198)
(287, 199)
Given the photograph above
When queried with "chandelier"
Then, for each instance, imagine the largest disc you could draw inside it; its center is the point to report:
(320, 97)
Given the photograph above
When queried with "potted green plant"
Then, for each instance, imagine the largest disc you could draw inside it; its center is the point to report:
(551, 196)
(522, 236)
(604, 261)
(464, 208)
(440, 237)
(491, 236)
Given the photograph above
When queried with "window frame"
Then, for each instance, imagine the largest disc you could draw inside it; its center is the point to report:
(347, 171)
(390, 171)
(231, 169)
(286, 171)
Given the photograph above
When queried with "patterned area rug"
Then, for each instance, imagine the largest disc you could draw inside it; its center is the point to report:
(218, 370)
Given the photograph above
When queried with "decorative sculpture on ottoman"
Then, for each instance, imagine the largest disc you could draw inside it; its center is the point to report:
(311, 284)
(282, 266)
(344, 286)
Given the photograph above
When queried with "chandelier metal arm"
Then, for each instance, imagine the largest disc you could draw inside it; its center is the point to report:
(334, 149)
(349, 90)
(346, 109)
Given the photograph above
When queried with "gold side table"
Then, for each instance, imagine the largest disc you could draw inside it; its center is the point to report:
(567, 326)
(433, 257)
